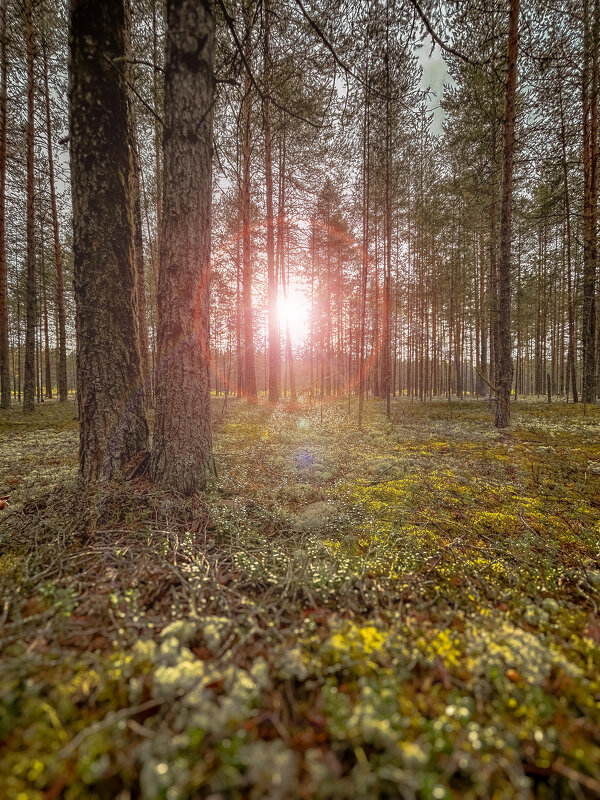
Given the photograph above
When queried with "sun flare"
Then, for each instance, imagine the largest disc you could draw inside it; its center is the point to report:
(294, 311)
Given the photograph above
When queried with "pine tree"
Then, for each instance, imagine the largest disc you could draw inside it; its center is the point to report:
(112, 424)
(181, 451)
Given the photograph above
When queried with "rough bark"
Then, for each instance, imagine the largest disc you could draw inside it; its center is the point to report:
(182, 439)
(4, 371)
(112, 423)
(504, 355)
(60, 303)
(29, 379)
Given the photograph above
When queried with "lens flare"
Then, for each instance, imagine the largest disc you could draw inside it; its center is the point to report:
(294, 311)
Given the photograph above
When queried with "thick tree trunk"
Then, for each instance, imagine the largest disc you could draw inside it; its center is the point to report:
(590, 194)
(29, 380)
(504, 356)
(112, 423)
(182, 438)
(4, 371)
(61, 362)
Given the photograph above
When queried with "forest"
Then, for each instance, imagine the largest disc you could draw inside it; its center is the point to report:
(299, 420)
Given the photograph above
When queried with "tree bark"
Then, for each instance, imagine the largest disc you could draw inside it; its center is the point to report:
(29, 379)
(274, 343)
(138, 249)
(504, 359)
(249, 358)
(61, 361)
(572, 353)
(387, 272)
(590, 194)
(364, 248)
(4, 371)
(112, 423)
(182, 438)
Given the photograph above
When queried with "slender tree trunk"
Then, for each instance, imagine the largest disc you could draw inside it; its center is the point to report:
(387, 274)
(249, 356)
(571, 356)
(362, 374)
(238, 278)
(504, 360)
(4, 366)
(19, 370)
(61, 364)
(138, 258)
(182, 438)
(29, 381)
(274, 344)
(47, 369)
(283, 253)
(591, 10)
(112, 423)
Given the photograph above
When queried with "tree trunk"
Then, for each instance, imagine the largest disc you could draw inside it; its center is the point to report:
(47, 369)
(387, 271)
(590, 194)
(274, 345)
(365, 251)
(571, 357)
(4, 371)
(504, 359)
(249, 356)
(138, 250)
(61, 361)
(112, 423)
(29, 380)
(182, 438)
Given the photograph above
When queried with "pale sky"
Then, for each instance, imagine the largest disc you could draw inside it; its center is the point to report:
(434, 76)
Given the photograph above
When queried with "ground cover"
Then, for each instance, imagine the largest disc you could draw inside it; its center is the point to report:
(409, 610)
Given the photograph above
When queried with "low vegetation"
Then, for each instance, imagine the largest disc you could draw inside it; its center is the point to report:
(408, 610)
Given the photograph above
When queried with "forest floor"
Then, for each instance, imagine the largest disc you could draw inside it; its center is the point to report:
(405, 611)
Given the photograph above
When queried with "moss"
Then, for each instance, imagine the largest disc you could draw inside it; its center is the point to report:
(402, 609)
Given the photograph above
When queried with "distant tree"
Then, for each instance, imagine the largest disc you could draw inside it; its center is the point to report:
(273, 321)
(29, 380)
(58, 258)
(505, 366)
(111, 415)
(590, 95)
(182, 438)
(249, 365)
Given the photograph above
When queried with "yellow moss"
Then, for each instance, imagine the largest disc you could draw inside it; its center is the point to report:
(353, 644)
(443, 645)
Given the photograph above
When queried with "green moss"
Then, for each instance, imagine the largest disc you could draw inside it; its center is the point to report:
(409, 608)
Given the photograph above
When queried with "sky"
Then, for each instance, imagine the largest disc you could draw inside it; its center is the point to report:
(434, 76)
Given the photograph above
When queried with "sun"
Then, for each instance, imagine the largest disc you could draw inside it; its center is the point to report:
(294, 310)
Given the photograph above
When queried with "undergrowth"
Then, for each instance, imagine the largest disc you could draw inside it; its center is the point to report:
(408, 610)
